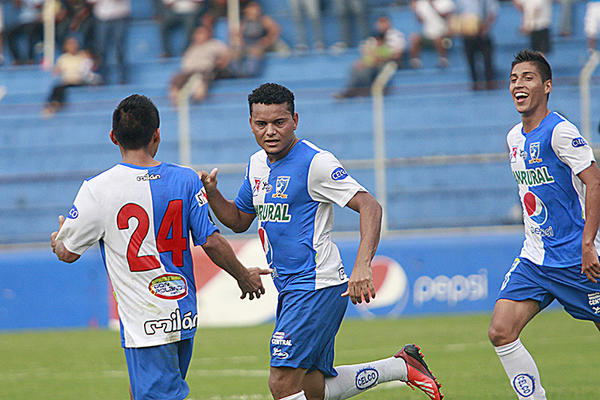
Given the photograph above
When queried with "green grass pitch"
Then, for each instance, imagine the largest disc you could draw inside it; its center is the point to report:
(232, 363)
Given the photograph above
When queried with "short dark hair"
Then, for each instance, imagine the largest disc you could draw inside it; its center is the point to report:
(536, 58)
(271, 93)
(134, 121)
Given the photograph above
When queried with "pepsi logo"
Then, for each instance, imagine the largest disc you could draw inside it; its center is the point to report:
(534, 207)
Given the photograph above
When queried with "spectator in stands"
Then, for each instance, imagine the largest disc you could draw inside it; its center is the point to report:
(312, 9)
(566, 17)
(28, 26)
(205, 57)
(475, 21)
(177, 13)
(433, 15)
(111, 23)
(349, 13)
(387, 44)
(258, 34)
(75, 17)
(591, 24)
(74, 68)
(217, 9)
(536, 20)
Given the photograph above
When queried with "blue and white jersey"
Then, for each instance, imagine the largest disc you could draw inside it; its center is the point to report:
(545, 163)
(293, 199)
(143, 218)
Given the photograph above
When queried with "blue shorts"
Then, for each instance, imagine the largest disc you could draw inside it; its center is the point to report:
(305, 328)
(158, 372)
(528, 281)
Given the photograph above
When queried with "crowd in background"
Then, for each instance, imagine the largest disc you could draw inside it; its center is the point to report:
(100, 28)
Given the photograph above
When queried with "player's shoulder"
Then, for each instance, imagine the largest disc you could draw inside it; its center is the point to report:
(516, 130)
(562, 124)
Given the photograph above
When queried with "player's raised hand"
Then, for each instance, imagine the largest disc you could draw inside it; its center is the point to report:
(590, 266)
(209, 180)
(252, 284)
(61, 221)
(360, 285)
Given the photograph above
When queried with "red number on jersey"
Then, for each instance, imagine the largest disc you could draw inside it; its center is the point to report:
(136, 263)
(173, 221)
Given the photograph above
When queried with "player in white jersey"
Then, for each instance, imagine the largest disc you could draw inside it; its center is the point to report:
(143, 212)
(291, 186)
(559, 187)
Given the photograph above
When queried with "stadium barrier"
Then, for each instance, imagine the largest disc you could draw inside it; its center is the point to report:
(414, 275)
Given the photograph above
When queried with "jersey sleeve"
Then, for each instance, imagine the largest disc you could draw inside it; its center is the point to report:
(243, 201)
(83, 226)
(571, 148)
(201, 224)
(328, 181)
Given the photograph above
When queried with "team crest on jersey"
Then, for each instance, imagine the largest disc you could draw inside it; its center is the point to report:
(281, 186)
(261, 184)
(534, 153)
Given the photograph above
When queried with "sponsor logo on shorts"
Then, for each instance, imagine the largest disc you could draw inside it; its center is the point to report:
(73, 213)
(169, 287)
(338, 174)
(366, 378)
(278, 353)
(175, 323)
(524, 385)
(578, 142)
(279, 339)
(594, 302)
(147, 177)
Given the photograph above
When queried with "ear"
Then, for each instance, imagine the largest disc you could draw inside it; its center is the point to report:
(113, 138)
(156, 136)
(547, 87)
(295, 120)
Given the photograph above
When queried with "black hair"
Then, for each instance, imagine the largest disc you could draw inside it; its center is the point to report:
(271, 93)
(134, 121)
(536, 58)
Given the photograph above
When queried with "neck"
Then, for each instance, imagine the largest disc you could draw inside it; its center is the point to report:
(139, 157)
(533, 120)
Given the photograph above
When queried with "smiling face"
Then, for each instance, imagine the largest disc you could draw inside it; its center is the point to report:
(528, 90)
(273, 126)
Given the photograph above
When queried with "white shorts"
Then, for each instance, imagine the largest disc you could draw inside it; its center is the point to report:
(591, 22)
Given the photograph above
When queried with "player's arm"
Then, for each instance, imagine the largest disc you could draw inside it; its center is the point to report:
(220, 252)
(589, 256)
(58, 246)
(361, 281)
(225, 210)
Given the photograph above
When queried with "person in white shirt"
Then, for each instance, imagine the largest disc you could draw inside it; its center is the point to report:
(536, 21)
(433, 16)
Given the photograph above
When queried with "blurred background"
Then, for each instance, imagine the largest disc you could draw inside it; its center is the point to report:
(427, 137)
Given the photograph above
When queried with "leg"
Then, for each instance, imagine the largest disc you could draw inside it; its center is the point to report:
(470, 47)
(300, 31)
(313, 385)
(341, 11)
(314, 14)
(597, 325)
(285, 381)
(120, 28)
(487, 50)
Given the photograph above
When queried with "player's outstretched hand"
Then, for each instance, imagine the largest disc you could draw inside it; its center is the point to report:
(53, 242)
(252, 284)
(360, 285)
(209, 180)
(590, 266)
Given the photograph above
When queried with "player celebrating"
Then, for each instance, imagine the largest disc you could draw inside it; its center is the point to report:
(551, 163)
(291, 186)
(142, 212)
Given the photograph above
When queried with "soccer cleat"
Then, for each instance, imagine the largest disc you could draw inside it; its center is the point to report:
(418, 374)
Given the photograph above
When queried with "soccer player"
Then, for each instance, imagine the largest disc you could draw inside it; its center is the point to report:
(291, 186)
(143, 212)
(559, 187)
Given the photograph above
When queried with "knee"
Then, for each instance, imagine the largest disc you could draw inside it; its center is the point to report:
(500, 335)
(282, 385)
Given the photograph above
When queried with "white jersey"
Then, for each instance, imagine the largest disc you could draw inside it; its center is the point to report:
(143, 218)
(293, 199)
(545, 163)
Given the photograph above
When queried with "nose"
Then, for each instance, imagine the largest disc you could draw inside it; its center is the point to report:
(271, 130)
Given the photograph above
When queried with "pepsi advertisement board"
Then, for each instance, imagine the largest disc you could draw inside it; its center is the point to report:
(413, 275)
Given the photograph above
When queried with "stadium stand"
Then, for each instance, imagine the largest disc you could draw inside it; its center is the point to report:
(429, 113)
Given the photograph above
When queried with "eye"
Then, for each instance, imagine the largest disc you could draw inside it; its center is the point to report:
(260, 124)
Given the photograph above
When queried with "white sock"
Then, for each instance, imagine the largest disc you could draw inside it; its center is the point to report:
(521, 370)
(297, 396)
(355, 379)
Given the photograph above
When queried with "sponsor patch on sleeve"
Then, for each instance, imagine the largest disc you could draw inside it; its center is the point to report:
(578, 142)
(73, 213)
(201, 197)
(338, 174)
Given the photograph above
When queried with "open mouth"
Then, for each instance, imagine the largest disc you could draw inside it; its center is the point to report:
(521, 96)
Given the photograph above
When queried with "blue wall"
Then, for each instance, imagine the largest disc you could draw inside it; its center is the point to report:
(440, 274)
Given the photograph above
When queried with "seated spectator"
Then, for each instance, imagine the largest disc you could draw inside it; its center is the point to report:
(184, 13)
(433, 15)
(312, 9)
(75, 18)
(591, 23)
(74, 68)
(386, 45)
(204, 58)
(258, 34)
(29, 27)
(536, 21)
